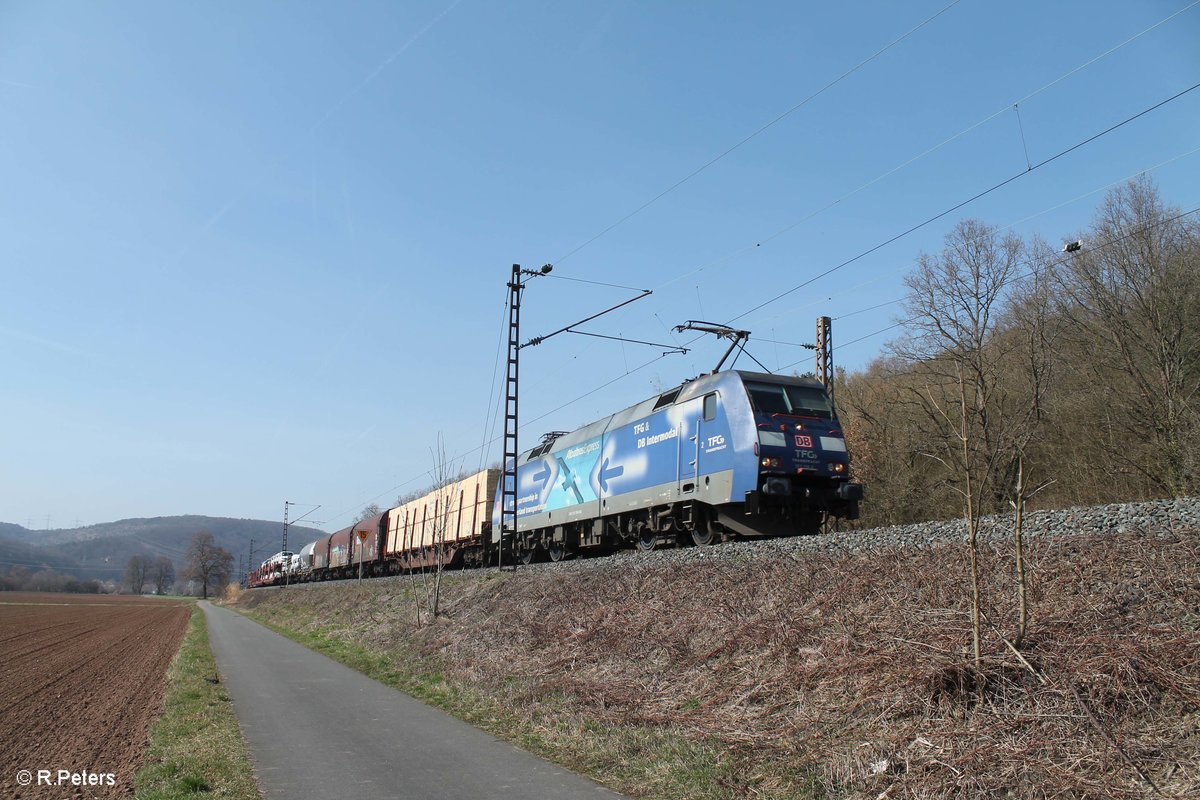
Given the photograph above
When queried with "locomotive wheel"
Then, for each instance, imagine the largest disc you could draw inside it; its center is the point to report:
(647, 540)
(704, 533)
(558, 552)
(527, 556)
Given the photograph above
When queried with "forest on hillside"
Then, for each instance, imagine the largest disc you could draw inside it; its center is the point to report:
(1062, 375)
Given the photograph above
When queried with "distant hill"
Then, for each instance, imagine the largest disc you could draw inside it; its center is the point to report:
(102, 551)
(16, 553)
(12, 532)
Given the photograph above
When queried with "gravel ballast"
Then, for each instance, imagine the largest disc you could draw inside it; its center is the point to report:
(1155, 516)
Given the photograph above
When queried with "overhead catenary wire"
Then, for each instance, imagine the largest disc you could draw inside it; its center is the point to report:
(1009, 226)
(759, 242)
(1036, 268)
(61, 568)
(928, 151)
(670, 347)
(951, 210)
(968, 201)
(600, 283)
(762, 129)
(656, 359)
(861, 188)
(827, 272)
(493, 388)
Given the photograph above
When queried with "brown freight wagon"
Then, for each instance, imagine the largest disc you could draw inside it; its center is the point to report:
(368, 550)
(339, 549)
(320, 554)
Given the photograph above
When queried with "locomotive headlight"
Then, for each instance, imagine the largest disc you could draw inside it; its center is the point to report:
(770, 462)
(836, 467)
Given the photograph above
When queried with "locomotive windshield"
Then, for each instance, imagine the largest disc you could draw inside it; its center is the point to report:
(782, 398)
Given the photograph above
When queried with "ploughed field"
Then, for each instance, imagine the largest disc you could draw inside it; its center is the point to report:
(82, 680)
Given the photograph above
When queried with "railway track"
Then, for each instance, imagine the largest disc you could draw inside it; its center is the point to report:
(1152, 517)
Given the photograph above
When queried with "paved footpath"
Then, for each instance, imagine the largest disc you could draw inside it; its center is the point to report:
(319, 729)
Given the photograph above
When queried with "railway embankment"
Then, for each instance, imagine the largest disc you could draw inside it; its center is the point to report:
(832, 666)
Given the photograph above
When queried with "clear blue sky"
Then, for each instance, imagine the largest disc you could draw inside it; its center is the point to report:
(256, 251)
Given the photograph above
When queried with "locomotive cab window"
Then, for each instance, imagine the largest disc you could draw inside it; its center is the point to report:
(799, 401)
(710, 407)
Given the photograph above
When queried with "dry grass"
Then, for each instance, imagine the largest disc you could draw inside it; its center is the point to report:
(231, 593)
(834, 675)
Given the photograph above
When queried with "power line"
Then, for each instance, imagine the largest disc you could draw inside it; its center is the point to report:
(1055, 207)
(488, 442)
(864, 310)
(760, 130)
(786, 344)
(48, 564)
(493, 387)
(1135, 230)
(928, 151)
(968, 201)
(861, 338)
(976, 125)
(656, 359)
(602, 283)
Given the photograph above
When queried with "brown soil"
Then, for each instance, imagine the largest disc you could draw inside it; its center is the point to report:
(83, 679)
(65, 598)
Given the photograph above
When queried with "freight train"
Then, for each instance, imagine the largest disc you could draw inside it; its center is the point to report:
(728, 455)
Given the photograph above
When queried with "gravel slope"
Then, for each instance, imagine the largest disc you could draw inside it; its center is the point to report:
(1155, 515)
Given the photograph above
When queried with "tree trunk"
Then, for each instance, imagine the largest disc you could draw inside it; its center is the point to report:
(972, 522)
(1022, 600)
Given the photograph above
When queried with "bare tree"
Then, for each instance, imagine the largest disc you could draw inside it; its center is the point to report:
(367, 512)
(207, 563)
(445, 474)
(163, 572)
(1030, 321)
(1135, 298)
(954, 302)
(136, 573)
(886, 431)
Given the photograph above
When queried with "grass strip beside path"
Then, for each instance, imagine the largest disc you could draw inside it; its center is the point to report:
(643, 761)
(196, 746)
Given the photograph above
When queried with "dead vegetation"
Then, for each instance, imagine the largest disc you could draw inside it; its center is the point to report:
(832, 675)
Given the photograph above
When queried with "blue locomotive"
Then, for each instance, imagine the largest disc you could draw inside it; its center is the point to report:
(730, 454)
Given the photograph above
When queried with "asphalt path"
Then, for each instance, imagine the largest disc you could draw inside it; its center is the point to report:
(316, 728)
